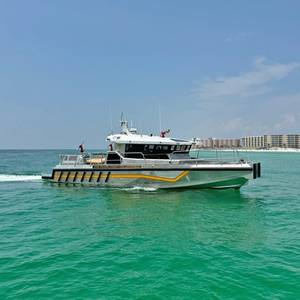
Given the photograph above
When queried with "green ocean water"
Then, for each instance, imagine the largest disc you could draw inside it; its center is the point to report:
(63, 242)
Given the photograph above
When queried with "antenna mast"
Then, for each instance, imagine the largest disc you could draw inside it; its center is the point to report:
(159, 115)
(124, 125)
(111, 122)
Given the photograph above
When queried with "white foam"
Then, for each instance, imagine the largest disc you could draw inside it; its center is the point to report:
(140, 188)
(11, 178)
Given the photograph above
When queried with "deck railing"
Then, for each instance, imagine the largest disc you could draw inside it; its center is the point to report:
(194, 157)
(79, 159)
(71, 159)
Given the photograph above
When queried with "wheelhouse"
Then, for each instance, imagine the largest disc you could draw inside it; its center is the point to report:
(153, 151)
(155, 148)
(131, 144)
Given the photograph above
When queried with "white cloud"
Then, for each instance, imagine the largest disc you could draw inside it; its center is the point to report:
(246, 84)
(237, 36)
(232, 124)
(288, 121)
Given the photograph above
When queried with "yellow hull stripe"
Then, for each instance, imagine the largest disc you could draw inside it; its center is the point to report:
(56, 175)
(117, 176)
(151, 177)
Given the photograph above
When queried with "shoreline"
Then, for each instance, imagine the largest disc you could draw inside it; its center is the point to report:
(275, 150)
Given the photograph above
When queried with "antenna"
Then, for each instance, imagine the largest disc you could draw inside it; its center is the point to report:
(124, 125)
(159, 115)
(111, 122)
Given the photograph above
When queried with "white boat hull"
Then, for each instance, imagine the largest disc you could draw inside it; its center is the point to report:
(226, 176)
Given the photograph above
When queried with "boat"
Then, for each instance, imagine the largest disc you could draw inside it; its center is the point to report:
(151, 161)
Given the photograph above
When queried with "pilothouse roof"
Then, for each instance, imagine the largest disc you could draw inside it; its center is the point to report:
(145, 139)
(128, 136)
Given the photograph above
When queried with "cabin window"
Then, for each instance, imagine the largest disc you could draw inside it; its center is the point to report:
(113, 158)
(150, 150)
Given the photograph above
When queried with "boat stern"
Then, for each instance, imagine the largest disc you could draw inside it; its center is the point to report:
(256, 167)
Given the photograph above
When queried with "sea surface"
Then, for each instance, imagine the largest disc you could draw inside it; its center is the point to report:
(66, 242)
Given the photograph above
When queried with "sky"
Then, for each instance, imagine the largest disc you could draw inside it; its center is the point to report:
(68, 69)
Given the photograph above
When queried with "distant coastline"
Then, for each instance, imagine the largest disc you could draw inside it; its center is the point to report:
(270, 142)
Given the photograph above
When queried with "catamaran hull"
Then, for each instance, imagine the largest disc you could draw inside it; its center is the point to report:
(155, 178)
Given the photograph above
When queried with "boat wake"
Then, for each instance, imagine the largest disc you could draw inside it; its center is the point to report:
(14, 178)
(140, 188)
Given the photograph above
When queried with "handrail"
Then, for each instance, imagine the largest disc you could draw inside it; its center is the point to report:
(76, 158)
(79, 159)
(169, 156)
(178, 152)
(217, 155)
(126, 153)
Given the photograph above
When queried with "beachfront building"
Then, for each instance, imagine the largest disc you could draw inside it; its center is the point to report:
(293, 140)
(271, 141)
(253, 142)
(217, 143)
